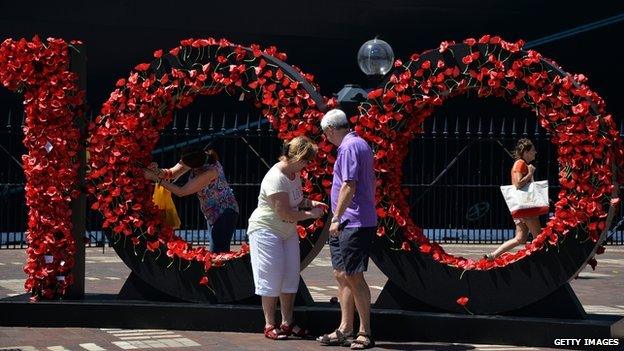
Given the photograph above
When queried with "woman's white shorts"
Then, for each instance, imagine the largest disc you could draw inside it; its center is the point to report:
(274, 262)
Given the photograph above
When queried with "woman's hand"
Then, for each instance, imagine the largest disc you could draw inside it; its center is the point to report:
(154, 168)
(316, 212)
(321, 205)
(531, 172)
(150, 174)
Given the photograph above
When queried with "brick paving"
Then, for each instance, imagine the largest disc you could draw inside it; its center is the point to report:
(599, 291)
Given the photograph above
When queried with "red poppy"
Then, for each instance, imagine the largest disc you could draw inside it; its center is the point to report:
(470, 41)
(462, 301)
(301, 231)
(444, 45)
(142, 67)
(374, 94)
(405, 246)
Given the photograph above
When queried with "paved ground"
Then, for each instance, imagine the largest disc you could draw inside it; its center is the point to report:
(600, 292)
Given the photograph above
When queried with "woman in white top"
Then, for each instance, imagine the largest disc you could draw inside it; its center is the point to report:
(273, 239)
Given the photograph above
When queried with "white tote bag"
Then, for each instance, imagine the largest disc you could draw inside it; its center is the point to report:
(528, 201)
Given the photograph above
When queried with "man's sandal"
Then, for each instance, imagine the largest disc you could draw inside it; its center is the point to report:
(295, 330)
(273, 333)
(357, 344)
(339, 340)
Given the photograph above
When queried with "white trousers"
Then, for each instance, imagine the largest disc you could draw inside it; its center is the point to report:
(274, 262)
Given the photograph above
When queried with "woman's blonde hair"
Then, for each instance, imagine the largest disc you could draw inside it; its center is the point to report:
(522, 146)
(299, 148)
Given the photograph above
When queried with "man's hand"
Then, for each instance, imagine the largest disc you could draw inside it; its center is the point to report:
(333, 229)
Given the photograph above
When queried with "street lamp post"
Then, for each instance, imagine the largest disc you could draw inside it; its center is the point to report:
(375, 59)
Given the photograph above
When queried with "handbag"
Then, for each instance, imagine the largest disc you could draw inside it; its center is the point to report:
(529, 201)
(164, 202)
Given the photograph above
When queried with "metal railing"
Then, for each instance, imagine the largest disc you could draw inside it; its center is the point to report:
(453, 171)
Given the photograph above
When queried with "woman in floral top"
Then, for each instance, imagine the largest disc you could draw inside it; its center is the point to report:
(207, 180)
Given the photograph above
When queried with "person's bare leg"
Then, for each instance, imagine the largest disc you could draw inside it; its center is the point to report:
(268, 307)
(522, 232)
(287, 303)
(347, 303)
(534, 225)
(361, 295)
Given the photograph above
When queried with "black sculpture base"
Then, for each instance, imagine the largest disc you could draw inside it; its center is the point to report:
(562, 303)
(136, 289)
(106, 311)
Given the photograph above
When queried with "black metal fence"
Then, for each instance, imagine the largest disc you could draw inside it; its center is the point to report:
(454, 170)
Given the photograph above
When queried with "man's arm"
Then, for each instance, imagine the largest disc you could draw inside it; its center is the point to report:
(347, 191)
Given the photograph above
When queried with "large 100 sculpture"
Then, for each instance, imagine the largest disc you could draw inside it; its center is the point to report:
(122, 137)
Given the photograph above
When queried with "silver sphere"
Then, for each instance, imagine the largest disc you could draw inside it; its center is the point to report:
(375, 57)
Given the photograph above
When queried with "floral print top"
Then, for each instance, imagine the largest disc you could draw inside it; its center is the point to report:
(215, 197)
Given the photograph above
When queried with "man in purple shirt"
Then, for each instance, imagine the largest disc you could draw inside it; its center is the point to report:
(352, 200)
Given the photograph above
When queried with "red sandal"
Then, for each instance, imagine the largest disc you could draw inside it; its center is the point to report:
(273, 333)
(295, 330)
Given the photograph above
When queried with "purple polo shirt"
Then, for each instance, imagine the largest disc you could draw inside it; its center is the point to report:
(355, 162)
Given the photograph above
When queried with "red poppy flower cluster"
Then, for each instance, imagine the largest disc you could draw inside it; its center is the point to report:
(589, 148)
(40, 71)
(128, 128)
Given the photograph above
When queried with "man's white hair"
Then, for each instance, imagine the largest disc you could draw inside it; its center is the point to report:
(335, 118)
